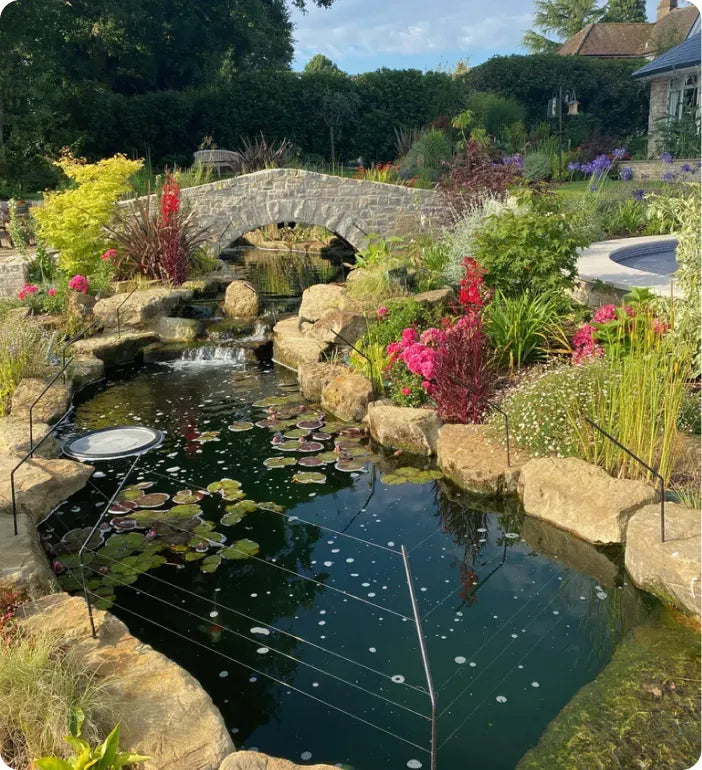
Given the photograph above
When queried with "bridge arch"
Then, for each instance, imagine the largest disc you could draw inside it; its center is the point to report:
(351, 208)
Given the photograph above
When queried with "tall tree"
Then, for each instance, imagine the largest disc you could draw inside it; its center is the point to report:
(321, 63)
(625, 10)
(564, 18)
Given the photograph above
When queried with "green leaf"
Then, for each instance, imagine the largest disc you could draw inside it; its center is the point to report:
(240, 549)
(53, 763)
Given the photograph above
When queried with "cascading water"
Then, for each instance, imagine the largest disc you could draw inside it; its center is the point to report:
(213, 354)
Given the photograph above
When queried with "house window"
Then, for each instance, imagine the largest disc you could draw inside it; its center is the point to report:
(683, 92)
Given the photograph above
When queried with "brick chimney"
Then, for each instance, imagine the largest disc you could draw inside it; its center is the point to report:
(665, 7)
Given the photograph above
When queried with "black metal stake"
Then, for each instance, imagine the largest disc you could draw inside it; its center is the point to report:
(645, 465)
(425, 658)
(107, 507)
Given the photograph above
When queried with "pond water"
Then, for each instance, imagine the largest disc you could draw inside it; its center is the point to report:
(308, 647)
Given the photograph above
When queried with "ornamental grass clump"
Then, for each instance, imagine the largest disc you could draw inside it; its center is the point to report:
(23, 351)
(42, 681)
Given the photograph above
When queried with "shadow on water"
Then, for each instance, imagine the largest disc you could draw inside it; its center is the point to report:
(517, 615)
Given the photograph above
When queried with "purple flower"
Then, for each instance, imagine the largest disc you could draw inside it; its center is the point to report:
(667, 157)
(638, 195)
(626, 173)
(618, 153)
(686, 168)
(601, 164)
(669, 176)
(513, 160)
(587, 168)
(573, 166)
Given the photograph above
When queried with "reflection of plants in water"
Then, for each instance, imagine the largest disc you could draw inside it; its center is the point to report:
(287, 274)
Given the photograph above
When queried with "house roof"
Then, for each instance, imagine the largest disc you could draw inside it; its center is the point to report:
(687, 54)
(626, 40)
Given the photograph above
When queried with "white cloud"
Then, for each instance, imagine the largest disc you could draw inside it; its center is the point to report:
(410, 27)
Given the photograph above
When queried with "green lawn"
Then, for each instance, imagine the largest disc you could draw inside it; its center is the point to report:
(581, 186)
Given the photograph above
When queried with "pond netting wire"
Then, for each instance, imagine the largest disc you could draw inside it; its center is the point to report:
(414, 618)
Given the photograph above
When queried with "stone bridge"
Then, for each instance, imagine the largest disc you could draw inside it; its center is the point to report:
(351, 208)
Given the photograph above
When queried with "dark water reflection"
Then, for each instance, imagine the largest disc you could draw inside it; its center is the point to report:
(517, 615)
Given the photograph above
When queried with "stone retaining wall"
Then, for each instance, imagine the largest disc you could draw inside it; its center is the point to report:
(654, 170)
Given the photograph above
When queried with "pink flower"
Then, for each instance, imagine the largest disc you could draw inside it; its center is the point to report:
(406, 391)
(584, 345)
(79, 283)
(51, 292)
(605, 313)
(409, 336)
(659, 326)
(27, 290)
(109, 254)
(382, 312)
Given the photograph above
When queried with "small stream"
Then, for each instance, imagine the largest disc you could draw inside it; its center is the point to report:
(307, 647)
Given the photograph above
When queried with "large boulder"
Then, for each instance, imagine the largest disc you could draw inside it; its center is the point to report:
(116, 349)
(582, 498)
(51, 406)
(23, 563)
(670, 569)
(473, 459)
(313, 378)
(85, 370)
(14, 437)
(435, 298)
(178, 329)
(341, 327)
(163, 711)
(403, 427)
(347, 396)
(142, 309)
(293, 347)
(254, 760)
(241, 300)
(323, 297)
(40, 485)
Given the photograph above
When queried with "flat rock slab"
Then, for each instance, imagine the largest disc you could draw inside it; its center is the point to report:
(313, 378)
(470, 456)
(582, 498)
(670, 570)
(403, 427)
(347, 396)
(163, 711)
(340, 327)
(253, 760)
(116, 349)
(23, 563)
(85, 370)
(14, 437)
(323, 297)
(142, 309)
(50, 407)
(178, 329)
(40, 485)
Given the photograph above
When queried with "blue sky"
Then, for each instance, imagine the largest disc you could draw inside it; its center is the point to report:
(362, 35)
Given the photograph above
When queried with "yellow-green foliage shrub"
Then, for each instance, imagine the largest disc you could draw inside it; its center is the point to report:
(73, 220)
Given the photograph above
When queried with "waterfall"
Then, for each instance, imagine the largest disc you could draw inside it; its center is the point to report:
(211, 354)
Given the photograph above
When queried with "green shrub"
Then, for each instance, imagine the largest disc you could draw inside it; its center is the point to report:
(494, 112)
(42, 681)
(520, 328)
(533, 249)
(538, 166)
(624, 218)
(73, 220)
(429, 151)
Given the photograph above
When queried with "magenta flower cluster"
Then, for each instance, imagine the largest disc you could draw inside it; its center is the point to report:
(79, 283)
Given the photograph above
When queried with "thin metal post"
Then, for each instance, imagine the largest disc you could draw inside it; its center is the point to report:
(645, 465)
(107, 507)
(425, 658)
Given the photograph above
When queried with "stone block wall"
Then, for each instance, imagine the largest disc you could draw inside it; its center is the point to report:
(653, 170)
(13, 274)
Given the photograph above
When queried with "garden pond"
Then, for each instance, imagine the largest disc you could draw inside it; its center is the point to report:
(259, 548)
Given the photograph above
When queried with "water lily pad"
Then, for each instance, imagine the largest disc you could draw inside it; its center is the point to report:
(289, 446)
(310, 446)
(269, 422)
(123, 524)
(240, 549)
(311, 462)
(279, 462)
(350, 466)
(235, 513)
(311, 415)
(74, 539)
(327, 457)
(240, 427)
(411, 475)
(143, 485)
(320, 435)
(310, 424)
(130, 493)
(309, 477)
(334, 427)
(393, 479)
(297, 433)
(188, 497)
(194, 556)
(352, 432)
(210, 563)
(228, 489)
(103, 602)
(123, 507)
(152, 500)
(275, 401)
(204, 528)
(207, 436)
(271, 507)
(351, 450)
